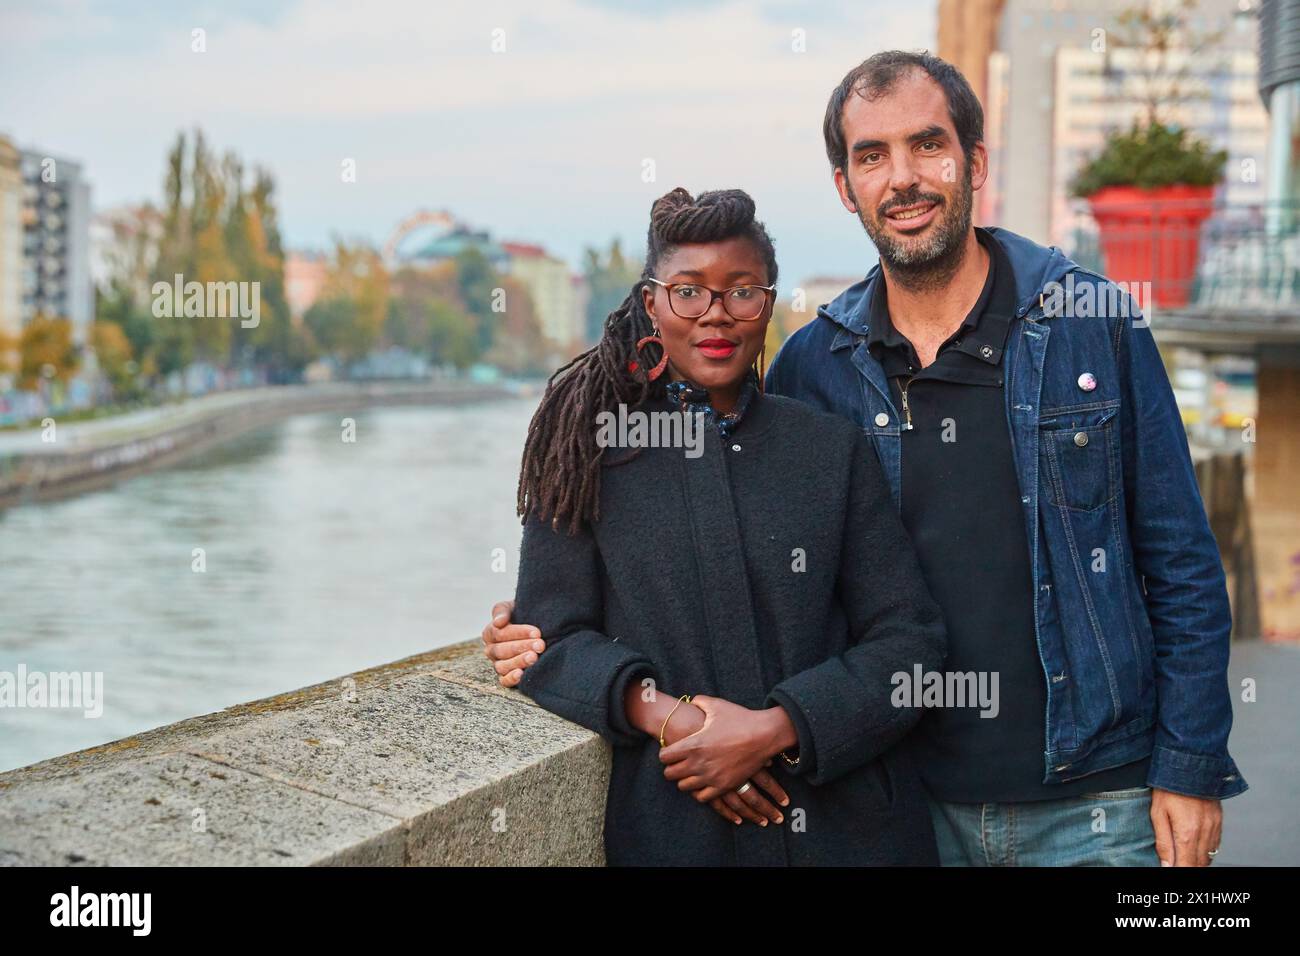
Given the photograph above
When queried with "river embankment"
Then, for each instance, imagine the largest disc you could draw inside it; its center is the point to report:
(61, 460)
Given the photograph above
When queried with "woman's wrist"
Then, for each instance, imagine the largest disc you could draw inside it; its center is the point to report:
(779, 731)
(685, 720)
(652, 716)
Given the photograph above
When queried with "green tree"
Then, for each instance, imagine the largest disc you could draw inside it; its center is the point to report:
(218, 224)
(336, 326)
(452, 340)
(609, 280)
(426, 316)
(477, 283)
(173, 339)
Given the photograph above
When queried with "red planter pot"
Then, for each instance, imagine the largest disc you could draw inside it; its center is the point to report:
(1153, 235)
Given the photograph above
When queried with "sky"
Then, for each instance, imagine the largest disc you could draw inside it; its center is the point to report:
(549, 138)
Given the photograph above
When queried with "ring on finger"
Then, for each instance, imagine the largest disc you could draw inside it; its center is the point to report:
(741, 791)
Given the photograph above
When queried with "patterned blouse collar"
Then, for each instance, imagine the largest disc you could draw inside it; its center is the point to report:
(694, 399)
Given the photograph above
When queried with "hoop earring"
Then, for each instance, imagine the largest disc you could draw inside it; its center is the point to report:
(658, 370)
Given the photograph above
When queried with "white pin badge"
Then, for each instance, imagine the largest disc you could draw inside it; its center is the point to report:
(1087, 381)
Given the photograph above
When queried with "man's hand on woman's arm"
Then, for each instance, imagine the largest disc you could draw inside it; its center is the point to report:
(512, 648)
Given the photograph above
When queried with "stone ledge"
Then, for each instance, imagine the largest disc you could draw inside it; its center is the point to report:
(425, 761)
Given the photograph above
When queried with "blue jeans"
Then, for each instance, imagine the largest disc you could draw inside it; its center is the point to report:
(1111, 828)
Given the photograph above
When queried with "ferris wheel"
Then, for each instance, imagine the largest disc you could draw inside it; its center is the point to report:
(418, 221)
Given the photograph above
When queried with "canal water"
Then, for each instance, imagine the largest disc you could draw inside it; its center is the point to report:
(280, 559)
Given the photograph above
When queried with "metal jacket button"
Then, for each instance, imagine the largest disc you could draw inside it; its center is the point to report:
(882, 420)
(1081, 438)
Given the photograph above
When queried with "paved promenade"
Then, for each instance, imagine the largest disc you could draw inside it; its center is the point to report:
(1259, 826)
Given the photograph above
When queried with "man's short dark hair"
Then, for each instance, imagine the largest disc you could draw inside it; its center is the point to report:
(876, 76)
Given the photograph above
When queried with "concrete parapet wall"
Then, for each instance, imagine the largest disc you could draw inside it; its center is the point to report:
(426, 761)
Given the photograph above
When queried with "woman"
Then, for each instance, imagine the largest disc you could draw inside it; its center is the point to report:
(727, 614)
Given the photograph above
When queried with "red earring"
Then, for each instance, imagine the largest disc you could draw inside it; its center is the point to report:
(658, 370)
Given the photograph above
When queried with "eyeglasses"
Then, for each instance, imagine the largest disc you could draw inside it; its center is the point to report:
(689, 300)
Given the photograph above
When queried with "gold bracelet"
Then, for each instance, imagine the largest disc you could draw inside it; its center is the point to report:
(684, 697)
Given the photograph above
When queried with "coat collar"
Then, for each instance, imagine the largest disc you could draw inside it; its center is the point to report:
(749, 417)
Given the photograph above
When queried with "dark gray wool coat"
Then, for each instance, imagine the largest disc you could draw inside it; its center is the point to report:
(771, 570)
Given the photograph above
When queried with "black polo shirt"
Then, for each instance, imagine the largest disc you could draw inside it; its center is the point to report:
(961, 506)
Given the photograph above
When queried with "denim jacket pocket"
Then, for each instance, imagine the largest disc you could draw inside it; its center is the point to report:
(1077, 446)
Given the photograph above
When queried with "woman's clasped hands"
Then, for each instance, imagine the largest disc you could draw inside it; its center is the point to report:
(719, 752)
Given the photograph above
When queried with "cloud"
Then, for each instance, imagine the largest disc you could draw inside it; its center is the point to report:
(522, 141)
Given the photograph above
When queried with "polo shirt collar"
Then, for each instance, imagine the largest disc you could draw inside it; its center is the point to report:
(983, 333)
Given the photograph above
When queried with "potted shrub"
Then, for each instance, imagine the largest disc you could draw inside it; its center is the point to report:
(1152, 185)
(1150, 189)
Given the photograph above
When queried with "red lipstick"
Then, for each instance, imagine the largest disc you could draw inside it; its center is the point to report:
(717, 348)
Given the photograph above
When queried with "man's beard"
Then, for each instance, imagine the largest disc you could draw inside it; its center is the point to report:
(933, 260)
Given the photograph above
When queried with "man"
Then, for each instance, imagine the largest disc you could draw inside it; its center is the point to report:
(1038, 460)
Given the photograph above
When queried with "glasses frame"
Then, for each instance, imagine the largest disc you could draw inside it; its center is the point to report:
(770, 290)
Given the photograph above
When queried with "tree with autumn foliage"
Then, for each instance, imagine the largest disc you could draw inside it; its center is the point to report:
(348, 319)
(9, 356)
(217, 222)
(47, 352)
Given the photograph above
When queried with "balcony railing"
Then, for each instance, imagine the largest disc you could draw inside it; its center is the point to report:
(1239, 260)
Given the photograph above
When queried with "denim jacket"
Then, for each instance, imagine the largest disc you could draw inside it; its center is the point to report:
(1130, 604)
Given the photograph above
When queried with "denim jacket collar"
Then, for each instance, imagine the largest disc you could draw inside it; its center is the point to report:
(1033, 266)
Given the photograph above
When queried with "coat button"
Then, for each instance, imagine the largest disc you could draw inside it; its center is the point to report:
(735, 448)
(986, 352)
(1081, 438)
(882, 420)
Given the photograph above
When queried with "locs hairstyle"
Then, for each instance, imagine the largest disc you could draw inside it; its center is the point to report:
(559, 478)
